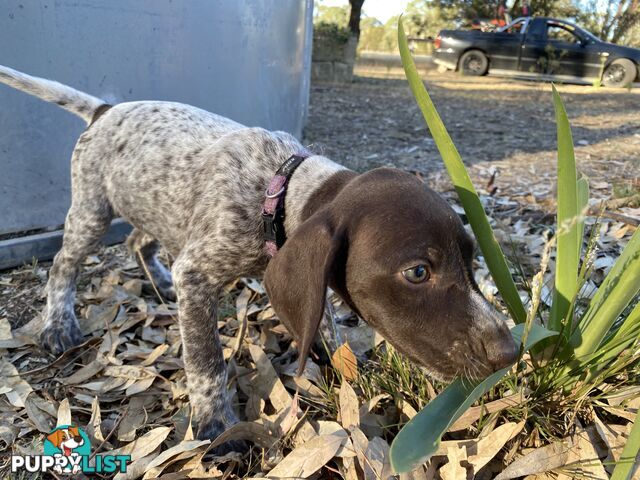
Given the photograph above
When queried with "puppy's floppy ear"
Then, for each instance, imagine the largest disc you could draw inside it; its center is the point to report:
(297, 276)
(55, 438)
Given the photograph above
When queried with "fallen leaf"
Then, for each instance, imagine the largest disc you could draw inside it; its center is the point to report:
(377, 455)
(308, 458)
(575, 451)
(615, 442)
(12, 385)
(8, 435)
(474, 413)
(453, 470)
(268, 383)
(88, 371)
(344, 361)
(133, 419)
(155, 354)
(7, 338)
(40, 419)
(488, 447)
(136, 468)
(94, 427)
(100, 316)
(311, 371)
(140, 386)
(333, 428)
(349, 412)
(64, 413)
(349, 470)
(241, 314)
(304, 433)
(361, 445)
(290, 417)
(155, 467)
(418, 474)
(144, 445)
(199, 470)
(372, 403)
(258, 434)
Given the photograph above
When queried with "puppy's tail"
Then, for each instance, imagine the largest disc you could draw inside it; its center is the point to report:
(79, 103)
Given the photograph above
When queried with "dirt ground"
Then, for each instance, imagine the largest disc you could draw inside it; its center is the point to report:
(495, 123)
(130, 383)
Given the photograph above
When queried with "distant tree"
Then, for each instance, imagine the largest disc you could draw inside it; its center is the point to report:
(372, 33)
(615, 21)
(425, 18)
(470, 9)
(552, 8)
(390, 41)
(336, 15)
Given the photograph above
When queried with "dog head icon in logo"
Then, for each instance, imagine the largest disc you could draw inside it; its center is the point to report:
(67, 444)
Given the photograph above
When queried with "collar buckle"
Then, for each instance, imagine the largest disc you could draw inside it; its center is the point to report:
(273, 227)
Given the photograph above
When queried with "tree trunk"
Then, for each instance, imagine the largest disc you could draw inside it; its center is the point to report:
(354, 17)
(625, 19)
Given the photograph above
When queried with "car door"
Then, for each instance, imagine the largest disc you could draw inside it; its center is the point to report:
(568, 53)
(505, 46)
(533, 57)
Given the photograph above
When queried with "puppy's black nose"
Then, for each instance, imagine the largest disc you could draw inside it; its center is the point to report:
(501, 353)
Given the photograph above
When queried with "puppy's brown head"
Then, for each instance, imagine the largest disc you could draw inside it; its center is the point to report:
(399, 256)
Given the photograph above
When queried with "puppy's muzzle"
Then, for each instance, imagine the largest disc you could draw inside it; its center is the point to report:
(501, 351)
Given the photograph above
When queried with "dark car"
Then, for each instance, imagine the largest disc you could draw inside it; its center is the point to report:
(538, 47)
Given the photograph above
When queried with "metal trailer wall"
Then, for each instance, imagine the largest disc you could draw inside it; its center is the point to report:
(246, 59)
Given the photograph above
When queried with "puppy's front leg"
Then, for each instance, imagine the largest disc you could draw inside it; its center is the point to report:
(202, 353)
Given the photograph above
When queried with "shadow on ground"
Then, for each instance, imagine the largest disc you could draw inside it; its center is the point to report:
(375, 121)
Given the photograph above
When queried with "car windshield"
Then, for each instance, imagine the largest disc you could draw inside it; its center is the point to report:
(589, 35)
(581, 32)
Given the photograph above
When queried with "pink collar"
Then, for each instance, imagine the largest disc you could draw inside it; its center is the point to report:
(273, 206)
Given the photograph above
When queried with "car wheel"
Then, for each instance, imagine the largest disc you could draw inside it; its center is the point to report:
(619, 73)
(473, 62)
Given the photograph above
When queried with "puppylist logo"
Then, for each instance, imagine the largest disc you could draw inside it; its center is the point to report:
(67, 450)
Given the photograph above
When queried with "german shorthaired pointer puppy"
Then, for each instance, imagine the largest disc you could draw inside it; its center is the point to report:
(195, 183)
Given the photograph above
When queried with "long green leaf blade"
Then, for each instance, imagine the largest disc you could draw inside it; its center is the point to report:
(490, 248)
(567, 250)
(625, 466)
(420, 437)
(583, 201)
(629, 328)
(617, 290)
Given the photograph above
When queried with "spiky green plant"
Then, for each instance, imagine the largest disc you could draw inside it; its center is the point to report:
(589, 347)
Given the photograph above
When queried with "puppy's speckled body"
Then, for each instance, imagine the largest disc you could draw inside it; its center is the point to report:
(194, 182)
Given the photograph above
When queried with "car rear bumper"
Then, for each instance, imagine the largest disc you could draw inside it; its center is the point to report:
(446, 57)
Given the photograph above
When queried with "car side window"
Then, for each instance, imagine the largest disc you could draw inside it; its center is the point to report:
(561, 33)
(515, 28)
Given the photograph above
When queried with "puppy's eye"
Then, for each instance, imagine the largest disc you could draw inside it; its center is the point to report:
(417, 274)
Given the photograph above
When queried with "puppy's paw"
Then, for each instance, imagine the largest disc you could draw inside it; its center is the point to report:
(166, 290)
(59, 337)
(213, 429)
(168, 293)
(237, 446)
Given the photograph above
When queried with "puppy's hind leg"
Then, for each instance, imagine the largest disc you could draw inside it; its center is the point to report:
(145, 250)
(87, 221)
